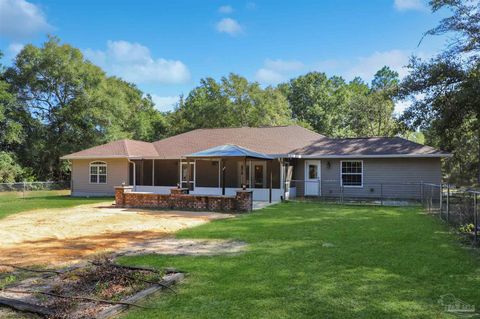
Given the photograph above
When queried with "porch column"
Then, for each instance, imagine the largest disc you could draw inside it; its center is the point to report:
(270, 181)
(188, 173)
(222, 165)
(244, 177)
(153, 172)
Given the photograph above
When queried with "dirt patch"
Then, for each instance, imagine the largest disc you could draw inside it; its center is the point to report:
(190, 247)
(67, 235)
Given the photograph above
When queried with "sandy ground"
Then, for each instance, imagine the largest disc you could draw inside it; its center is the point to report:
(67, 235)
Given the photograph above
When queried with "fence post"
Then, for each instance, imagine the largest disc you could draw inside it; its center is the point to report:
(475, 232)
(23, 192)
(341, 199)
(441, 199)
(431, 198)
(448, 201)
(381, 194)
(422, 194)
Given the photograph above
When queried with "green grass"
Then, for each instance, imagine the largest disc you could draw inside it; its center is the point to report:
(13, 202)
(385, 263)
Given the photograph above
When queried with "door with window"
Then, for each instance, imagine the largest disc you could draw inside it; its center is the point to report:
(312, 178)
(184, 175)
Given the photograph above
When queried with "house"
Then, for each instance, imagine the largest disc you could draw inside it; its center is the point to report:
(274, 162)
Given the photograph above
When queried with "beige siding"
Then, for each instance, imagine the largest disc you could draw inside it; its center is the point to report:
(117, 173)
(390, 178)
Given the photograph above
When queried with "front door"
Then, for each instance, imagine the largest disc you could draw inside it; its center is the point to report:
(184, 174)
(257, 178)
(312, 178)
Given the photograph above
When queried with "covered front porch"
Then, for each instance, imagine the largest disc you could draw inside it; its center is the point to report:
(206, 174)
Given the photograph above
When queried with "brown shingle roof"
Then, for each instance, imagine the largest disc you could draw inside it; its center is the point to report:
(280, 140)
(372, 146)
(121, 148)
(267, 140)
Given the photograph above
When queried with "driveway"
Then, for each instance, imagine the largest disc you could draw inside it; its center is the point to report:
(61, 236)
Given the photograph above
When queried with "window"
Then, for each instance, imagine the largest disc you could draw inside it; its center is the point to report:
(313, 171)
(98, 173)
(352, 173)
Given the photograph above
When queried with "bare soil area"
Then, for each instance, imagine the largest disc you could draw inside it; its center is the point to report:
(57, 237)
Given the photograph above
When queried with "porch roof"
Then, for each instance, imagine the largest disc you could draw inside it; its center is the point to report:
(229, 150)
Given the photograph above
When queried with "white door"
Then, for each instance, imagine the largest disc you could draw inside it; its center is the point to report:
(312, 178)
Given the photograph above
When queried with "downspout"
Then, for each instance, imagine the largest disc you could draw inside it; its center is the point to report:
(134, 175)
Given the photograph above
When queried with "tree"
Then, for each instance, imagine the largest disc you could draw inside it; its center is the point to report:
(448, 84)
(11, 130)
(320, 101)
(230, 102)
(10, 171)
(339, 109)
(371, 109)
(71, 104)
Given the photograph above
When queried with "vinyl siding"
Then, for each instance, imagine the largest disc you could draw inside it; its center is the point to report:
(394, 178)
(117, 173)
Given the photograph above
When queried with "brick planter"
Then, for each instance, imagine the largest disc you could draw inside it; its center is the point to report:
(179, 199)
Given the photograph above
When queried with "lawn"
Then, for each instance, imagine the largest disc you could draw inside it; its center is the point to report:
(310, 260)
(16, 202)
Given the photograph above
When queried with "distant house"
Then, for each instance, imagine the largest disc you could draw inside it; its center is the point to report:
(274, 162)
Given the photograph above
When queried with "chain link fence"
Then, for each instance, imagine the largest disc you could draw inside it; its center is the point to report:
(368, 193)
(32, 189)
(456, 206)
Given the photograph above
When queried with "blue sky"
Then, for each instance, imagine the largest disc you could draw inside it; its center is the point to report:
(166, 47)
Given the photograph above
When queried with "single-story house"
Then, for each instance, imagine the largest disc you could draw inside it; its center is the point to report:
(287, 161)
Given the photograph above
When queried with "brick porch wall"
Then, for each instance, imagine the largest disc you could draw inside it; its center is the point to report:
(179, 199)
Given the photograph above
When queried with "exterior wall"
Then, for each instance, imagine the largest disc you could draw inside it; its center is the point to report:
(388, 177)
(117, 173)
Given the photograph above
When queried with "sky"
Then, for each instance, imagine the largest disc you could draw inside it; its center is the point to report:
(166, 47)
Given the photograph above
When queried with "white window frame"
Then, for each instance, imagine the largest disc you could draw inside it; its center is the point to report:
(341, 173)
(97, 164)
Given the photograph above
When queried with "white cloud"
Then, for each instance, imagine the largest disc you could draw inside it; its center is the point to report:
(21, 19)
(14, 49)
(229, 26)
(366, 67)
(403, 5)
(225, 9)
(165, 103)
(134, 62)
(276, 71)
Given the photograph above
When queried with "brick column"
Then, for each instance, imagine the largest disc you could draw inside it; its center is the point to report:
(244, 200)
(120, 194)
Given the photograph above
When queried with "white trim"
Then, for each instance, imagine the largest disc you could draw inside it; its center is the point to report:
(341, 173)
(271, 155)
(97, 164)
(368, 156)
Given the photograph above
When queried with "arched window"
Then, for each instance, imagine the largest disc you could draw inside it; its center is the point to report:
(98, 173)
